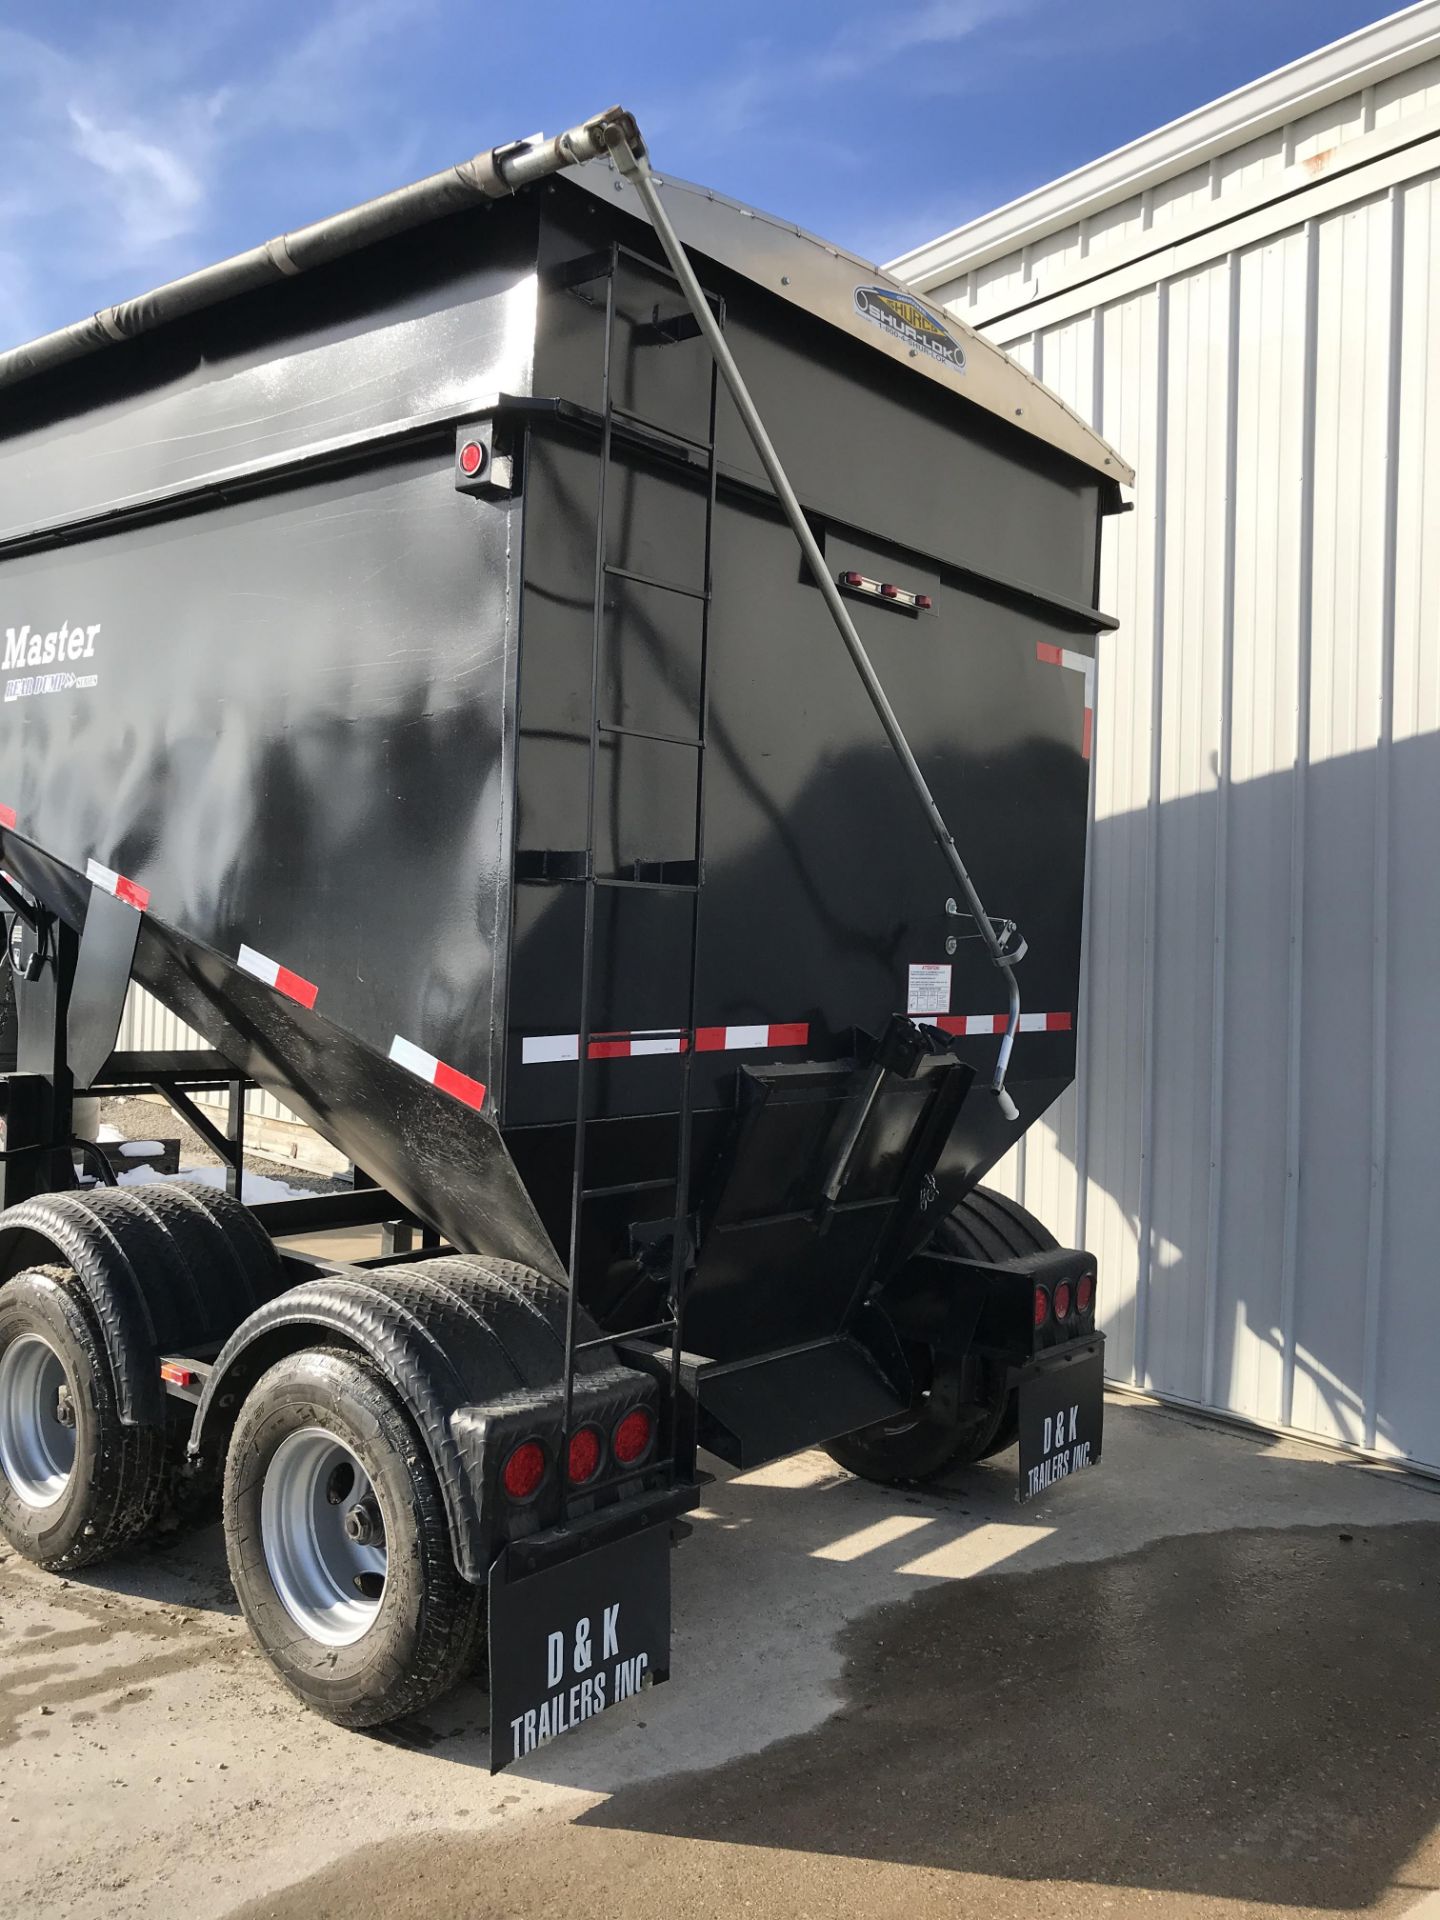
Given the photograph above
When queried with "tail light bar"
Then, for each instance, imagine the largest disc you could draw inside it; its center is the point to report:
(886, 590)
(590, 1458)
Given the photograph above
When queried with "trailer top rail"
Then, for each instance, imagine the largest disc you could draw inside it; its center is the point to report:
(799, 267)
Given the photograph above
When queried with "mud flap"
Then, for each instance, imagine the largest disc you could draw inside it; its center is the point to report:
(1062, 1416)
(574, 1638)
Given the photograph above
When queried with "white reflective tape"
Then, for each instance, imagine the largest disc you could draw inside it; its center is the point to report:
(550, 1046)
(406, 1054)
(262, 968)
(1079, 664)
(641, 1043)
(747, 1037)
(105, 877)
(979, 1023)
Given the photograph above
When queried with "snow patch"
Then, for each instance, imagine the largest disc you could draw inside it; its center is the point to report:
(254, 1186)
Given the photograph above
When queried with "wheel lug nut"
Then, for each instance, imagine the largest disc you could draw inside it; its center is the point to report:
(64, 1408)
(362, 1524)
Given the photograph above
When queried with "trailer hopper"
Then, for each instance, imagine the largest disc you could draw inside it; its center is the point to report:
(586, 693)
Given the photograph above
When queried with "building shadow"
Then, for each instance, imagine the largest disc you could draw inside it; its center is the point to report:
(1265, 1249)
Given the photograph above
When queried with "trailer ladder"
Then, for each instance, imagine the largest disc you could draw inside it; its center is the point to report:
(685, 877)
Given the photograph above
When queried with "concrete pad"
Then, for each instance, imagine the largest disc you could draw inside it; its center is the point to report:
(882, 1701)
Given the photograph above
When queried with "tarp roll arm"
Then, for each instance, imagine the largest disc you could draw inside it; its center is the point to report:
(488, 176)
(1002, 942)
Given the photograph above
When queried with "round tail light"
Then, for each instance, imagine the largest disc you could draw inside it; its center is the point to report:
(1042, 1306)
(632, 1438)
(1062, 1300)
(584, 1456)
(524, 1470)
(1085, 1292)
(472, 458)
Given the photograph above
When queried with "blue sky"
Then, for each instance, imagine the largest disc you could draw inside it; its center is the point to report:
(147, 137)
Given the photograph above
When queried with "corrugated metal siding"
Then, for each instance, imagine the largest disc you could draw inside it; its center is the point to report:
(1252, 1155)
(148, 1027)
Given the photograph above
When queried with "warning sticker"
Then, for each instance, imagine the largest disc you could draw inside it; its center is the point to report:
(929, 990)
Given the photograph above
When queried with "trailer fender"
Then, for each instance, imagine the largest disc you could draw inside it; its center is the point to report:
(165, 1269)
(449, 1333)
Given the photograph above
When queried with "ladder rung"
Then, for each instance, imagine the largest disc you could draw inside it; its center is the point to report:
(629, 1186)
(649, 580)
(630, 1333)
(648, 886)
(707, 447)
(644, 733)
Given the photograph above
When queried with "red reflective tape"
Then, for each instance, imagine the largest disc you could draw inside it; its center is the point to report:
(1057, 1023)
(459, 1085)
(793, 1033)
(7, 816)
(609, 1049)
(294, 987)
(710, 1039)
(1052, 656)
(132, 892)
(1085, 738)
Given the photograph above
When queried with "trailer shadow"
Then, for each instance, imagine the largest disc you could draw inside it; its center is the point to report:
(1149, 1700)
(1220, 1717)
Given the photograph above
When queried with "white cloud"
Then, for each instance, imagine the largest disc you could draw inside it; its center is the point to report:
(121, 160)
(755, 94)
(156, 192)
(862, 45)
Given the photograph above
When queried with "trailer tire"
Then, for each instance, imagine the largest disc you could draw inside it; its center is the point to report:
(71, 1493)
(944, 1431)
(400, 1643)
(239, 1245)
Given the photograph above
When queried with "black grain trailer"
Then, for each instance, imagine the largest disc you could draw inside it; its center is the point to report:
(423, 673)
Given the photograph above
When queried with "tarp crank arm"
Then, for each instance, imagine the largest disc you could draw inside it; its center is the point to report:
(1004, 948)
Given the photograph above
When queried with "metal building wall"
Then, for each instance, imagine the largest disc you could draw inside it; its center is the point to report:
(1254, 1154)
(150, 1028)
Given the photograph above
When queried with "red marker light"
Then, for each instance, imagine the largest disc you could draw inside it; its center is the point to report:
(524, 1470)
(632, 1437)
(852, 579)
(1042, 1306)
(924, 602)
(887, 592)
(1085, 1292)
(1062, 1300)
(584, 1461)
(472, 458)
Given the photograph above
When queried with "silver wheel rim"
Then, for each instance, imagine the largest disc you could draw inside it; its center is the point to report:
(330, 1582)
(37, 1448)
